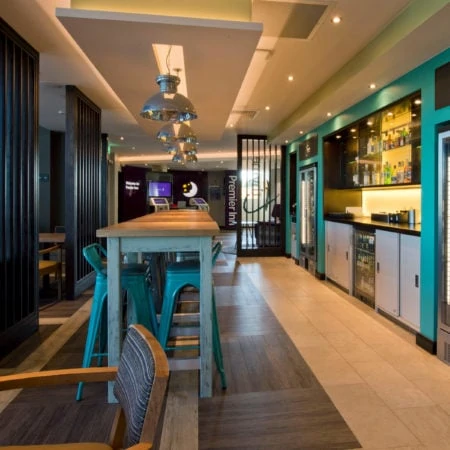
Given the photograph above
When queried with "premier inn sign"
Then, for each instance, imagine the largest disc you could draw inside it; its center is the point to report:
(231, 199)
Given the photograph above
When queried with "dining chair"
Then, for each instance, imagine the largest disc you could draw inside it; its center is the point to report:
(140, 305)
(178, 276)
(140, 388)
(48, 267)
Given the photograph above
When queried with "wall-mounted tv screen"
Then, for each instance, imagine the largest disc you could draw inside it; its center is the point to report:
(159, 189)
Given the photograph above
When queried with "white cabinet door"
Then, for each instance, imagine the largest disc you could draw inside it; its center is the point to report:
(329, 250)
(409, 279)
(339, 253)
(387, 271)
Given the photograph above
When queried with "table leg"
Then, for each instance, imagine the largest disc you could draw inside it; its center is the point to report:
(114, 309)
(206, 342)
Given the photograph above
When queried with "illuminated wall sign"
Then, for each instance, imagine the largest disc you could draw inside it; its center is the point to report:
(190, 189)
(231, 200)
(132, 185)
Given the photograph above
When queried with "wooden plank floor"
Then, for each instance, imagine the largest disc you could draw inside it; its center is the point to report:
(273, 400)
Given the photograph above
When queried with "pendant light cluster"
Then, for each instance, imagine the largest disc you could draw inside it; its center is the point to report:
(168, 105)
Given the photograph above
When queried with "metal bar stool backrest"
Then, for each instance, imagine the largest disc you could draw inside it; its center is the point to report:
(94, 254)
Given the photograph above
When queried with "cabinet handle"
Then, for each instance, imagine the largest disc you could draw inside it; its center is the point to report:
(378, 267)
(416, 281)
(346, 256)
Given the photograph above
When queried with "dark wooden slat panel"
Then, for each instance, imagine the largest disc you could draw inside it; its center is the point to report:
(84, 198)
(19, 69)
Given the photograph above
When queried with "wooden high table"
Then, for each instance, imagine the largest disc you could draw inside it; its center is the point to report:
(165, 231)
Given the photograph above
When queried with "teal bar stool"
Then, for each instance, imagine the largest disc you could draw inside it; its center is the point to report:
(140, 306)
(178, 276)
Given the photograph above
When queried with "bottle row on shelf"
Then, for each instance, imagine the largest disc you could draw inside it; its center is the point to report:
(374, 174)
(388, 141)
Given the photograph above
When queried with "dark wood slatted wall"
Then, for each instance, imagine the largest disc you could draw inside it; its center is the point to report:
(261, 186)
(19, 72)
(85, 186)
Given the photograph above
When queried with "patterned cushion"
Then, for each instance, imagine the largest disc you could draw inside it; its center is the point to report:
(134, 383)
(76, 446)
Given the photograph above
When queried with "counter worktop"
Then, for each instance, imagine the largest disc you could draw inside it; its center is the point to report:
(367, 222)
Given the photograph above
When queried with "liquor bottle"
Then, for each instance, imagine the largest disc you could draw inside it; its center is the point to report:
(387, 173)
(366, 175)
(376, 175)
(400, 173)
(394, 175)
(402, 138)
(407, 172)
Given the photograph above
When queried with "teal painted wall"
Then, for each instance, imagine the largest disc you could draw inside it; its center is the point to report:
(421, 78)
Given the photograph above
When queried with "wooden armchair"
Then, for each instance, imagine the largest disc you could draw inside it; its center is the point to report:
(47, 266)
(140, 387)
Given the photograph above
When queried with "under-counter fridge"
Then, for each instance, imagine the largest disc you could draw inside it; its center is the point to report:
(364, 266)
(443, 331)
(308, 220)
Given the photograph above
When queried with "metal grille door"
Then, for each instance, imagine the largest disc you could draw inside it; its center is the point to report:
(261, 211)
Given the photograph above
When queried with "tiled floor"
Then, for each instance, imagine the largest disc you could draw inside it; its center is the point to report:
(391, 393)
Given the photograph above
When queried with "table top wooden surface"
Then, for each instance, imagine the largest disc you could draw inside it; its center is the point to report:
(178, 216)
(57, 238)
(164, 223)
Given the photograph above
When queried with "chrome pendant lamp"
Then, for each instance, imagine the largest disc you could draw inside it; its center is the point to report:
(168, 105)
(173, 133)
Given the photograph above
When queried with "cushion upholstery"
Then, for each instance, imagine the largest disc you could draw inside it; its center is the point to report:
(74, 446)
(134, 383)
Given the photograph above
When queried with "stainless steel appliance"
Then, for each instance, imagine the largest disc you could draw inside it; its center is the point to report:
(308, 221)
(364, 266)
(443, 332)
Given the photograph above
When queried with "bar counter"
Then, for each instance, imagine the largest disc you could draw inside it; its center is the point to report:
(165, 231)
(367, 222)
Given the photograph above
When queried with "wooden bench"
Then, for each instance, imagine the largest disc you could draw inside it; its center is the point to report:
(48, 267)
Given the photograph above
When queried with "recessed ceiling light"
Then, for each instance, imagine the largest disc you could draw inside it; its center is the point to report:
(328, 114)
(121, 138)
(286, 141)
(418, 101)
(60, 111)
(372, 86)
(300, 132)
(336, 19)
(290, 78)
(353, 130)
(390, 113)
(267, 108)
(133, 148)
(338, 136)
(370, 123)
(231, 125)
